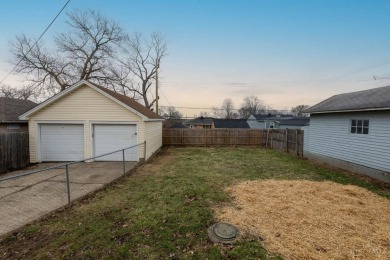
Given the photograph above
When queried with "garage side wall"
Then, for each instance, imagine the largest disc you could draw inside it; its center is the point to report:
(328, 137)
(86, 106)
(153, 137)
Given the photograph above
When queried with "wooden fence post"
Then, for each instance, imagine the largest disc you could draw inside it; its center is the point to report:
(286, 140)
(297, 142)
(182, 137)
(205, 138)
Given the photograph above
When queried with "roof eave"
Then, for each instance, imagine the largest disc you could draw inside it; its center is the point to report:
(153, 120)
(349, 110)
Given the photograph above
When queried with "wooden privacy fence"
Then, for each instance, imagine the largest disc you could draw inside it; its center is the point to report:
(14, 151)
(289, 140)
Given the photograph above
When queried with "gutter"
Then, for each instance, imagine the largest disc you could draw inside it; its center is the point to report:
(350, 110)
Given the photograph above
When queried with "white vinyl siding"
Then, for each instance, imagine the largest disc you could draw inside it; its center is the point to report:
(330, 135)
(153, 137)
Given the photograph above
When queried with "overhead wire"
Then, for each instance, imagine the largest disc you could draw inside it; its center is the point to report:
(35, 43)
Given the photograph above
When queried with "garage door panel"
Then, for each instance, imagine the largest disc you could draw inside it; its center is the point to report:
(109, 138)
(62, 142)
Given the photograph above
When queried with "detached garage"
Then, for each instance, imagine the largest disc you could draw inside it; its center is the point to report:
(88, 120)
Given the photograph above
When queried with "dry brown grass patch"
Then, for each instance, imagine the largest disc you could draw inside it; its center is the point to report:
(312, 220)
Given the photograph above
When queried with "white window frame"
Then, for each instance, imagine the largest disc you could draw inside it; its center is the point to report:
(362, 126)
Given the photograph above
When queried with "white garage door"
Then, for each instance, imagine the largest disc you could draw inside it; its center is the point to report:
(62, 142)
(109, 138)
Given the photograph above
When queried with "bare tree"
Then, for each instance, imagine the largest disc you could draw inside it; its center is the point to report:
(143, 58)
(17, 93)
(85, 52)
(226, 111)
(251, 105)
(203, 114)
(170, 113)
(298, 110)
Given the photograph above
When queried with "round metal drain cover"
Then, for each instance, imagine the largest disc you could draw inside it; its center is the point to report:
(223, 233)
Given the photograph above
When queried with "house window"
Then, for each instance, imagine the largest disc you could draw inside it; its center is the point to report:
(11, 127)
(360, 126)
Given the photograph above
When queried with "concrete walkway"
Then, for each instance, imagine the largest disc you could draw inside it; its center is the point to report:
(28, 198)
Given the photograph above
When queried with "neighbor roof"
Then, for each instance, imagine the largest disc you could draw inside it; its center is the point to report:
(231, 123)
(371, 99)
(269, 116)
(123, 100)
(297, 121)
(11, 109)
(200, 121)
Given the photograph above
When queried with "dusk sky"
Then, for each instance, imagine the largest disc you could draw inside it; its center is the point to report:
(284, 52)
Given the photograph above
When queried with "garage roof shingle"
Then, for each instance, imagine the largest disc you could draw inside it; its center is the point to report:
(129, 102)
(376, 98)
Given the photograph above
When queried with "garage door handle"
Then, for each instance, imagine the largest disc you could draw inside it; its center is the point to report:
(135, 133)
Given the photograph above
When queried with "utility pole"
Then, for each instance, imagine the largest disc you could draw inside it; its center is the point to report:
(157, 66)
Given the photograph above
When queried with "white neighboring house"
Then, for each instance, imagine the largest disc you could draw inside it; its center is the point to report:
(264, 121)
(352, 131)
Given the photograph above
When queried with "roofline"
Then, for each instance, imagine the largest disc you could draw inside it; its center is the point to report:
(118, 101)
(13, 121)
(350, 110)
(154, 120)
(71, 88)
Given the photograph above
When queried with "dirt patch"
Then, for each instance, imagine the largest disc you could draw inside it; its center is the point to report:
(312, 220)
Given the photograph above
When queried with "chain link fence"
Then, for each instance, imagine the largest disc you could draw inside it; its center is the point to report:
(30, 194)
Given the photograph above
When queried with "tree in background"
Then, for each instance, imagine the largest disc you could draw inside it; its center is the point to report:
(17, 93)
(251, 105)
(298, 110)
(142, 60)
(95, 49)
(87, 51)
(203, 114)
(226, 111)
(170, 113)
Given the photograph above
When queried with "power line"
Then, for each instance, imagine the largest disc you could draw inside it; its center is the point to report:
(215, 108)
(35, 43)
(166, 99)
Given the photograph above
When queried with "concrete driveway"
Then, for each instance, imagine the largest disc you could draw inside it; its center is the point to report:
(28, 198)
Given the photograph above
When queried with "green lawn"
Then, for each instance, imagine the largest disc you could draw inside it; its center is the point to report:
(163, 209)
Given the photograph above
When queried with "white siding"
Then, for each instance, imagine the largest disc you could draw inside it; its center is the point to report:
(329, 135)
(253, 123)
(153, 137)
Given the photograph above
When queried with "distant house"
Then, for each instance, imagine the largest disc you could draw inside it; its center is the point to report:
(264, 121)
(10, 110)
(351, 131)
(200, 122)
(212, 123)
